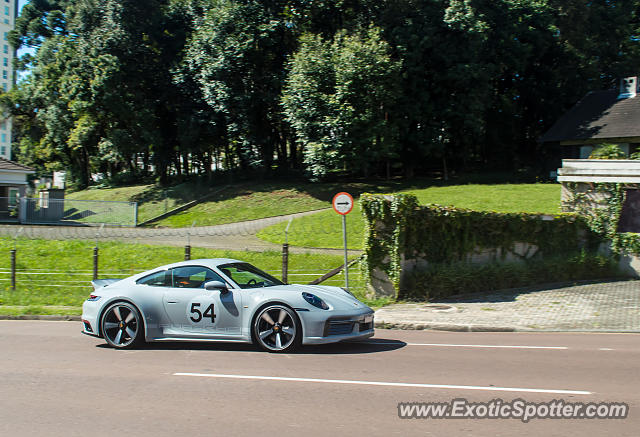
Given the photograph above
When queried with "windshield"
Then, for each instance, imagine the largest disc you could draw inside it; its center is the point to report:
(248, 276)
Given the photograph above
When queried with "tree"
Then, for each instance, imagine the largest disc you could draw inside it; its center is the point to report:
(236, 54)
(337, 96)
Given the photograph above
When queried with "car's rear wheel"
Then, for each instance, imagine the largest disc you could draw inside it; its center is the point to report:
(122, 326)
(276, 328)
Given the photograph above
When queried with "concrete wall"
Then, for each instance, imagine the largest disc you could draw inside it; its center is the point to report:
(381, 284)
(582, 176)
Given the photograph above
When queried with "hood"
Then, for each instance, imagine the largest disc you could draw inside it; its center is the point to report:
(334, 296)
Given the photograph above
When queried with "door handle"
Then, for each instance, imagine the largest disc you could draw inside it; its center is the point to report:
(172, 301)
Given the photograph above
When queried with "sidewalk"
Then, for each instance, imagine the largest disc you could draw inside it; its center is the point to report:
(598, 307)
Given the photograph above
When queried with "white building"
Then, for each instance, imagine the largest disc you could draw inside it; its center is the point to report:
(8, 14)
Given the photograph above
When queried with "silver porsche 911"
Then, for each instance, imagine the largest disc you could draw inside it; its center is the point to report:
(221, 300)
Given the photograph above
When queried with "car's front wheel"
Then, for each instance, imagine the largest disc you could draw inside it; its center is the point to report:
(277, 328)
(122, 326)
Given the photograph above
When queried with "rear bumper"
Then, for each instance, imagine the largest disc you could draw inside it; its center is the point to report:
(90, 323)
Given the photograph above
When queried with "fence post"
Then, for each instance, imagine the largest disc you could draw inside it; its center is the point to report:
(95, 262)
(285, 263)
(135, 214)
(22, 210)
(13, 269)
(187, 248)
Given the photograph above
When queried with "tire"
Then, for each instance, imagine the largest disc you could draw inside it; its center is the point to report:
(122, 326)
(276, 328)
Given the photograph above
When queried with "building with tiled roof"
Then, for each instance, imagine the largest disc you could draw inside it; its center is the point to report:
(610, 116)
(13, 185)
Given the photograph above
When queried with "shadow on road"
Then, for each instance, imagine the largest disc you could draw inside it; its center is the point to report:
(346, 348)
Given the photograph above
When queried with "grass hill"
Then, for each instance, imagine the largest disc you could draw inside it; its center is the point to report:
(325, 228)
(250, 201)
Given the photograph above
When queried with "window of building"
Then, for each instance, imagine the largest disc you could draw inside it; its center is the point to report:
(4, 86)
(5, 62)
(6, 21)
(4, 74)
(4, 138)
(6, 10)
(5, 36)
(6, 48)
(3, 150)
(14, 195)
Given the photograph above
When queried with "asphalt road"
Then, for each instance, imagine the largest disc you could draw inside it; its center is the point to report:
(55, 381)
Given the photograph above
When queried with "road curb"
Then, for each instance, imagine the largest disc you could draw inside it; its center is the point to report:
(414, 326)
(42, 317)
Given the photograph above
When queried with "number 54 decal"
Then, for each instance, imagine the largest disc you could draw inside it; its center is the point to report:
(197, 315)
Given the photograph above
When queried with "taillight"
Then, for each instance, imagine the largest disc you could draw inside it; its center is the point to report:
(93, 297)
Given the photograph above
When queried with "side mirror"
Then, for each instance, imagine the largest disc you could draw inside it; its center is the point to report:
(216, 285)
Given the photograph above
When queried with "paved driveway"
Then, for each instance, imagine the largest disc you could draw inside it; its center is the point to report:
(609, 306)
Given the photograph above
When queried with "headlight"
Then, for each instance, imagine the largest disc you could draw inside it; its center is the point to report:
(315, 301)
(93, 298)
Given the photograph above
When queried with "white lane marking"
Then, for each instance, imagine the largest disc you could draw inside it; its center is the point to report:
(386, 384)
(498, 346)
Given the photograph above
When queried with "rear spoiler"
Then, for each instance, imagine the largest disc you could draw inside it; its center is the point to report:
(99, 283)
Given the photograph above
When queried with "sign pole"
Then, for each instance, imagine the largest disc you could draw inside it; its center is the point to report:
(343, 204)
(344, 238)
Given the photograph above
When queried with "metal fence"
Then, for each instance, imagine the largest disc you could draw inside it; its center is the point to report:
(82, 278)
(34, 272)
(77, 212)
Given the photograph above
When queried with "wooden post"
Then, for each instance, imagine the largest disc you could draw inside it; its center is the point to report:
(13, 269)
(95, 262)
(285, 263)
(187, 252)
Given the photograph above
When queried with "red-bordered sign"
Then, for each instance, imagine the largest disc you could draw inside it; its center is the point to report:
(342, 203)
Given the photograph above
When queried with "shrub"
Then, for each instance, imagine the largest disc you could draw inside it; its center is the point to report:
(443, 280)
(607, 151)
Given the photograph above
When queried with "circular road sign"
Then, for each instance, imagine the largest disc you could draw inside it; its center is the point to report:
(342, 203)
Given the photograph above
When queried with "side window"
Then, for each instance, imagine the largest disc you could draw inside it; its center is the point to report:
(159, 279)
(193, 277)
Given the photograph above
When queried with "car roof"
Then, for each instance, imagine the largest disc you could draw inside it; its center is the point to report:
(207, 262)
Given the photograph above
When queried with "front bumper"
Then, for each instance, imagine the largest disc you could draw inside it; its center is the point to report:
(345, 326)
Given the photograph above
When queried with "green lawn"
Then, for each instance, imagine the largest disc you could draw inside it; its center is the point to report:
(227, 204)
(152, 200)
(533, 198)
(54, 276)
(239, 204)
(250, 201)
(325, 228)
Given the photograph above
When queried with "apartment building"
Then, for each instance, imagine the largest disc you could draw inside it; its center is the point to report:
(8, 14)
